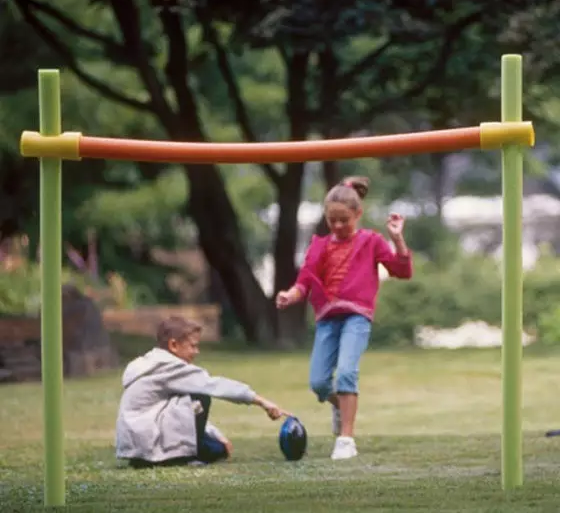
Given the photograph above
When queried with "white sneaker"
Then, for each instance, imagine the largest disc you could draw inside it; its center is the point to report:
(344, 449)
(335, 420)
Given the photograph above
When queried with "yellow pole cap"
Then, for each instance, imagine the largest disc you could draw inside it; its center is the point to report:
(495, 135)
(63, 146)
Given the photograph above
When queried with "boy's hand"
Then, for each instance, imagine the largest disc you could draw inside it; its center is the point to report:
(394, 225)
(272, 410)
(228, 445)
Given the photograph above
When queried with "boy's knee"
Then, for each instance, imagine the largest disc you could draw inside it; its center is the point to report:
(211, 450)
(347, 380)
(204, 399)
(321, 387)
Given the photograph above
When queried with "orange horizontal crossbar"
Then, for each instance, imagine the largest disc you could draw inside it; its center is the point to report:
(73, 145)
(292, 151)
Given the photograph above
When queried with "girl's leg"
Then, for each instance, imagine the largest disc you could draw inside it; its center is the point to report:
(334, 400)
(348, 406)
(355, 335)
(324, 358)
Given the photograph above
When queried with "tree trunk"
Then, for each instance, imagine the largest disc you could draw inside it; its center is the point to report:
(219, 234)
(291, 325)
(16, 179)
(328, 69)
(221, 242)
(291, 322)
(438, 162)
(210, 207)
(330, 179)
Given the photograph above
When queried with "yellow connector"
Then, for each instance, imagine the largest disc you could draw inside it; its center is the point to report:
(495, 135)
(63, 146)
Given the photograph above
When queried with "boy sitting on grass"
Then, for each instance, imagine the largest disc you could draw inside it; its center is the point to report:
(164, 409)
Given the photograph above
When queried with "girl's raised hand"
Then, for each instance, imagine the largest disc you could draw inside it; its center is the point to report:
(394, 225)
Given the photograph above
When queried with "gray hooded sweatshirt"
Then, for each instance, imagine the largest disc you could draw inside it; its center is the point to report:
(156, 418)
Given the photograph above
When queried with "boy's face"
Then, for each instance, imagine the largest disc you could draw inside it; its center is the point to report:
(187, 348)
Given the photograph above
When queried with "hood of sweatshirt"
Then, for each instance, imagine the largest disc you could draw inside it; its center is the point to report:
(147, 364)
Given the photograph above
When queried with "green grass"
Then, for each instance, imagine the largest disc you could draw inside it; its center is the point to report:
(428, 433)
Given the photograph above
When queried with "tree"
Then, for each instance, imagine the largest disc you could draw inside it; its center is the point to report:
(366, 73)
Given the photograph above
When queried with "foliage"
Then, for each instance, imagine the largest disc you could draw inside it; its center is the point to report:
(466, 288)
(548, 326)
(20, 291)
(427, 236)
(148, 212)
(250, 71)
(20, 284)
(250, 195)
(541, 299)
(20, 288)
(130, 223)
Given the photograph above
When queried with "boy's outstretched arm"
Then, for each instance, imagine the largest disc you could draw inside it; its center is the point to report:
(190, 379)
(273, 411)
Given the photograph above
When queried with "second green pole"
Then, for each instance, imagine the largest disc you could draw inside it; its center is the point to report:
(511, 110)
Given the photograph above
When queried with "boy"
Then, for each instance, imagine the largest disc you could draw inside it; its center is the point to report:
(163, 414)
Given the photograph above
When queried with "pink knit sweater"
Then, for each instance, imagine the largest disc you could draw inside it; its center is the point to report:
(359, 288)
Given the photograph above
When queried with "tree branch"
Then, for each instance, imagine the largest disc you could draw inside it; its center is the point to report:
(177, 70)
(242, 117)
(345, 80)
(283, 53)
(112, 49)
(452, 34)
(126, 13)
(70, 61)
(328, 67)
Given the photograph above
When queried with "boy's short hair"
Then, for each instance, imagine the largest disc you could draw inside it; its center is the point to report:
(177, 328)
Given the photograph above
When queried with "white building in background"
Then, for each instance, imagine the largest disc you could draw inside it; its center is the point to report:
(477, 220)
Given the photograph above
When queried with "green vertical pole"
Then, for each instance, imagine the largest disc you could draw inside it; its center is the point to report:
(51, 300)
(511, 110)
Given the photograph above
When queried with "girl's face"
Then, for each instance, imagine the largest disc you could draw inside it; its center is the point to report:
(341, 219)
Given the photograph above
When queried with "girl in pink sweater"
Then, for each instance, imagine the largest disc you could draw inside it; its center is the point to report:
(340, 279)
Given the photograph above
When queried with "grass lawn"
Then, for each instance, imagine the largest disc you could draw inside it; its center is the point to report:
(428, 433)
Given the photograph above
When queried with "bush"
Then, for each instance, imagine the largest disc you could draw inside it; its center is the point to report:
(541, 290)
(20, 289)
(468, 288)
(548, 326)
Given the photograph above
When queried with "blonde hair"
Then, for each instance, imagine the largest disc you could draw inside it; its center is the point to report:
(350, 192)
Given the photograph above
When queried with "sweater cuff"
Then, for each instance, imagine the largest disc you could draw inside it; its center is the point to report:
(300, 288)
(251, 395)
(405, 257)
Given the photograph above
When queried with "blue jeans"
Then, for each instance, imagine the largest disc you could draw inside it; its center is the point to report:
(338, 346)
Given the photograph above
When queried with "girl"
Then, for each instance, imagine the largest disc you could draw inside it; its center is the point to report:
(340, 277)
